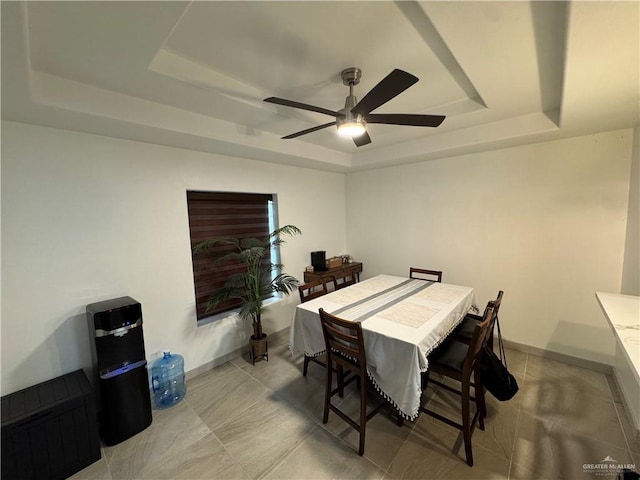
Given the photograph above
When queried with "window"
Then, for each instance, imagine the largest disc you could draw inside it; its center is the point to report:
(224, 214)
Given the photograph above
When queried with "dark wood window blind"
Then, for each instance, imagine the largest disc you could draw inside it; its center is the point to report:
(222, 214)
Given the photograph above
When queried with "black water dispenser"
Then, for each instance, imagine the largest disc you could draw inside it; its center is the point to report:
(121, 368)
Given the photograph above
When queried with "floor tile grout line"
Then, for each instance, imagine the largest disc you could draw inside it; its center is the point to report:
(404, 442)
(288, 453)
(351, 447)
(513, 443)
(524, 378)
(624, 432)
(229, 453)
(297, 409)
(237, 413)
(106, 461)
(230, 362)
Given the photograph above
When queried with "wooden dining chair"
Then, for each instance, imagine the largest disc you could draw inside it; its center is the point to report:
(309, 291)
(461, 362)
(345, 348)
(346, 278)
(424, 274)
(464, 331)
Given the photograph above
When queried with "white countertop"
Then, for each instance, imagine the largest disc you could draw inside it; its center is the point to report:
(623, 314)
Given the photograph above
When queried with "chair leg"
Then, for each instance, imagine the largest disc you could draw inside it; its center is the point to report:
(466, 422)
(340, 381)
(307, 359)
(481, 404)
(424, 380)
(363, 414)
(327, 392)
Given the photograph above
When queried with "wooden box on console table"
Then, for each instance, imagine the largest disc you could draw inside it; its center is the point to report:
(334, 262)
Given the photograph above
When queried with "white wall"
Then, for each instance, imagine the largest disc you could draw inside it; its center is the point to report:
(87, 218)
(631, 270)
(543, 222)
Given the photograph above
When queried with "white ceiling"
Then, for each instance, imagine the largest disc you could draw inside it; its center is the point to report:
(193, 74)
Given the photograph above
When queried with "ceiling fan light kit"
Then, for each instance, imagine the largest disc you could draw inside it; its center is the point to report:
(351, 121)
(351, 129)
(349, 124)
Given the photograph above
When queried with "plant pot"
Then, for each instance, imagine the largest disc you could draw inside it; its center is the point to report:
(258, 347)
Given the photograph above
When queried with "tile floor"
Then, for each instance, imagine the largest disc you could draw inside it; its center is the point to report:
(240, 421)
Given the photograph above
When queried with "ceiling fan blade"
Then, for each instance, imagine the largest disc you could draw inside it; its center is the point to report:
(303, 106)
(405, 119)
(393, 84)
(308, 130)
(361, 140)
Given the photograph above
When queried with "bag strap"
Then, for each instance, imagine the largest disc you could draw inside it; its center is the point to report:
(503, 356)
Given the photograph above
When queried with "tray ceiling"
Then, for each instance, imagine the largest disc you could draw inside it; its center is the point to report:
(193, 74)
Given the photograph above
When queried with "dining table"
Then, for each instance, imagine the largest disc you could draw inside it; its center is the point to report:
(402, 319)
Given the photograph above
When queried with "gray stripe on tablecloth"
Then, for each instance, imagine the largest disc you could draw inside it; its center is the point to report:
(362, 318)
(370, 297)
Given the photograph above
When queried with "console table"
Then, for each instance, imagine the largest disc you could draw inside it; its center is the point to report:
(327, 275)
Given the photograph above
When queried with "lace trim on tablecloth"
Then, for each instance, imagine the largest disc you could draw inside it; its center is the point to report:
(295, 353)
(445, 337)
(393, 403)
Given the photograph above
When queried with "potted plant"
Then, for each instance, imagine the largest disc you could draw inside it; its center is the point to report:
(255, 282)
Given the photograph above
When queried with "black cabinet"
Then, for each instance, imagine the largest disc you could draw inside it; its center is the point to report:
(50, 430)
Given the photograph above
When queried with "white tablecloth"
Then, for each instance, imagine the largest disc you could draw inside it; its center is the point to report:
(403, 320)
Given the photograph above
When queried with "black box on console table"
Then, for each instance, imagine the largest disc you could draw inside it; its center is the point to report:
(50, 430)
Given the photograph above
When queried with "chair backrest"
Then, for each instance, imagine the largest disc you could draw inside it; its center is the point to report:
(343, 341)
(496, 303)
(496, 307)
(310, 290)
(424, 274)
(346, 278)
(480, 338)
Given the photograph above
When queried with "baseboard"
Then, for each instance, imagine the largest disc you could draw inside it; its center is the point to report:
(627, 404)
(560, 357)
(216, 362)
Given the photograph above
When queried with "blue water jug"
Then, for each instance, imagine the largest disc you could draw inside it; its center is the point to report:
(167, 380)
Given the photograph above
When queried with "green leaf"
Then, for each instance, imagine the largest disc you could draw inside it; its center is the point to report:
(253, 285)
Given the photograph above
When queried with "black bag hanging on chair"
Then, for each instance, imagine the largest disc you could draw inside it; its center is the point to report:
(494, 373)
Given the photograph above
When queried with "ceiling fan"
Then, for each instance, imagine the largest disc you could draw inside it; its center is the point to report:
(353, 118)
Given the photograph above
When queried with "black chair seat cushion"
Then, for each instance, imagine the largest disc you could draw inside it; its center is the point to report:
(450, 354)
(467, 326)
